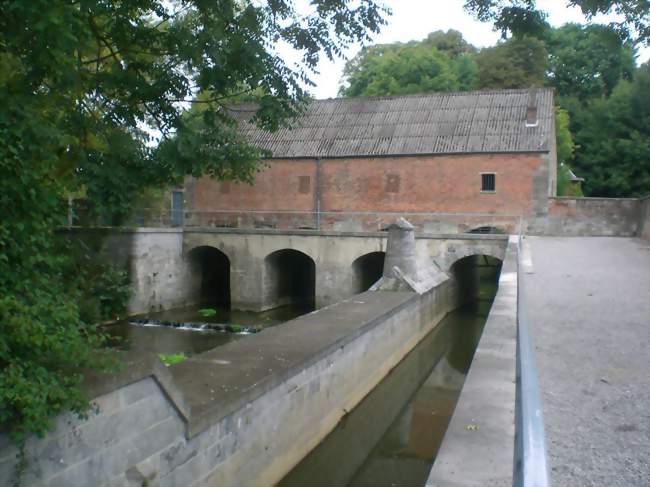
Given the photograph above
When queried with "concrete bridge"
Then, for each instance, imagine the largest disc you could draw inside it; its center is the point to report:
(258, 269)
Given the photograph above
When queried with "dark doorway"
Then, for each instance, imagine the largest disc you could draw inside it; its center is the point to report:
(290, 278)
(475, 275)
(212, 270)
(367, 270)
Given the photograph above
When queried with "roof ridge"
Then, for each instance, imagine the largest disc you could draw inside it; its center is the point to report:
(431, 94)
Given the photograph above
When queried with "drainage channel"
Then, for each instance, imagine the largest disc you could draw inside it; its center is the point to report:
(392, 437)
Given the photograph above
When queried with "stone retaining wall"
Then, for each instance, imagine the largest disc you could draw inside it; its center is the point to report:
(644, 220)
(584, 217)
(241, 414)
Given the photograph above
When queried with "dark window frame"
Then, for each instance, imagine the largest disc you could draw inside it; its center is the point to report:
(488, 182)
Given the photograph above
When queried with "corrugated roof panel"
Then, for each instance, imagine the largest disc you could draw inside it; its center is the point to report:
(491, 121)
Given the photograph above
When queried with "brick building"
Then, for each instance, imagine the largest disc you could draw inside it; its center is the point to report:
(346, 160)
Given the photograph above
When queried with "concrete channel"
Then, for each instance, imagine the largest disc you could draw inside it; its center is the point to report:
(247, 412)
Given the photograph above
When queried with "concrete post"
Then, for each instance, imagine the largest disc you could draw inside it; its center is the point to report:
(400, 250)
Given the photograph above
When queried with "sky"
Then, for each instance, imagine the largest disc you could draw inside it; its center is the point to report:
(414, 19)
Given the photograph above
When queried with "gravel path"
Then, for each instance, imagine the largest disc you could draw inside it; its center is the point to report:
(589, 304)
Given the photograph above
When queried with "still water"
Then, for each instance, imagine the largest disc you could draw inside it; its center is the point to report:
(160, 339)
(392, 437)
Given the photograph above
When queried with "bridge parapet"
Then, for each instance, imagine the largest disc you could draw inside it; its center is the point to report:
(360, 221)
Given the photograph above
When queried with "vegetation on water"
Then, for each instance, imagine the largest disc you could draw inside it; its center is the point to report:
(94, 99)
(603, 112)
(207, 312)
(172, 358)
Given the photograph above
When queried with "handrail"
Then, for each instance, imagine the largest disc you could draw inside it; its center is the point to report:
(531, 464)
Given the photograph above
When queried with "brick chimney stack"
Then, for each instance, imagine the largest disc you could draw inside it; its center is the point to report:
(531, 111)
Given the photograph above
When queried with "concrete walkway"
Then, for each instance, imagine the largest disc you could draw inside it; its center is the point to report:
(589, 303)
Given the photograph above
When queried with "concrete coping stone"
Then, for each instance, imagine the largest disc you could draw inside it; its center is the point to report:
(593, 198)
(333, 233)
(220, 381)
(478, 446)
(212, 385)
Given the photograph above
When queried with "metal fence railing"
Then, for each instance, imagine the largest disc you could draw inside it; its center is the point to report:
(328, 220)
(531, 464)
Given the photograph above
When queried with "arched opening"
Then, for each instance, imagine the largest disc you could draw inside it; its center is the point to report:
(289, 278)
(211, 270)
(488, 229)
(367, 270)
(477, 278)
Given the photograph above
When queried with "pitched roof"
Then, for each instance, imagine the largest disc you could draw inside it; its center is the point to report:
(434, 123)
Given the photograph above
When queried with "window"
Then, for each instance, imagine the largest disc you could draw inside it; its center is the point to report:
(488, 182)
(225, 187)
(304, 184)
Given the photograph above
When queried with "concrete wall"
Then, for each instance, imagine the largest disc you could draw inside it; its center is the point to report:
(572, 217)
(449, 183)
(644, 218)
(478, 447)
(161, 277)
(242, 414)
(332, 252)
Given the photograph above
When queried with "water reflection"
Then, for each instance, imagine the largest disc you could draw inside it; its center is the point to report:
(173, 340)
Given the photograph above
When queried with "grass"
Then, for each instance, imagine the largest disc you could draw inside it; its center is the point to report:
(172, 358)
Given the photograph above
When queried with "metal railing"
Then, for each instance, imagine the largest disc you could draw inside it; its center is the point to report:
(531, 464)
(328, 220)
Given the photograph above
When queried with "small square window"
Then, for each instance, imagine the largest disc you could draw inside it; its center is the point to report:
(488, 182)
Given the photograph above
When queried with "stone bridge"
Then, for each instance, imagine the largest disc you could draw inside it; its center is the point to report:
(261, 269)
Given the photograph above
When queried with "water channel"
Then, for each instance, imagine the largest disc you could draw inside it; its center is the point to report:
(170, 340)
(392, 437)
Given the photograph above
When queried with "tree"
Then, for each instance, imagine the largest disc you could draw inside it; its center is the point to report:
(450, 43)
(587, 61)
(522, 17)
(514, 63)
(83, 84)
(444, 61)
(614, 141)
(393, 69)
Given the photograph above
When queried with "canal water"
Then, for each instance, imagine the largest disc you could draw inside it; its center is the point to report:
(169, 340)
(392, 437)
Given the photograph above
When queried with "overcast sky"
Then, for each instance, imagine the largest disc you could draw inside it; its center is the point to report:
(414, 19)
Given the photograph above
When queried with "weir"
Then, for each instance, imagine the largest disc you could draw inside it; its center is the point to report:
(247, 412)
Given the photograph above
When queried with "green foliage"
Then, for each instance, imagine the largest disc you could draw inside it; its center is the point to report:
(614, 140)
(564, 185)
(172, 358)
(587, 62)
(393, 69)
(563, 137)
(82, 87)
(207, 312)
(523, 17)
(515, 63)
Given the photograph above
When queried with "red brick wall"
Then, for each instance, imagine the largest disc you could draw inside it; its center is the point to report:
(401, 184)
(276, 188)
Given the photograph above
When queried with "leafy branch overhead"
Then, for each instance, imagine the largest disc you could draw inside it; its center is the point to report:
(94, 98)
(524, 17)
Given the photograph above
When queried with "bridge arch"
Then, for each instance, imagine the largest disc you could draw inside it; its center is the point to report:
(366, 270)
(289, 278)
(210, 271)
(476, 276)
(488, 229)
